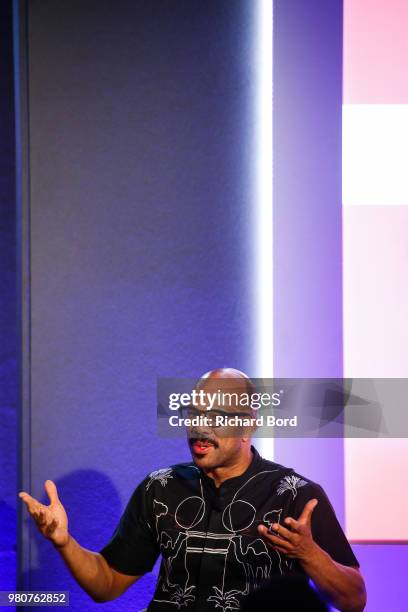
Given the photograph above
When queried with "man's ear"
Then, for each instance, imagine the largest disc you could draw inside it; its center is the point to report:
(248, 433)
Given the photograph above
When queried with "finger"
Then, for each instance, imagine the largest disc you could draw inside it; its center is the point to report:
(33, 508)
(41, 520)
(283, 532)
(44, 516)
(31, 503)
(294, 525)
(274, 540)
(51, 491)
(39, 516)
(306, 515)
(35, 516)
(279, 542)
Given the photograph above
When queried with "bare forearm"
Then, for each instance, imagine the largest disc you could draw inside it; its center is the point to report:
(344, 586)
(89, 569)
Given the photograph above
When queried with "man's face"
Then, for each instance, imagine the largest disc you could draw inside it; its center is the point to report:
(213, 447)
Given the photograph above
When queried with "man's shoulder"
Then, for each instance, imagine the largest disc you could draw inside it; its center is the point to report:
(287, 479)
(172, 474)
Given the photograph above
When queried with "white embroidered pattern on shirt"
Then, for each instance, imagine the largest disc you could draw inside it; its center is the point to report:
(291, 483)
(162, 476)
(255, 558)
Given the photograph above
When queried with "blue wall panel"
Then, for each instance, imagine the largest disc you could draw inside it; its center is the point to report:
(138, 160)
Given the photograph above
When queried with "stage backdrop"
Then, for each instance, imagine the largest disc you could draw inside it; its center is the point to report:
(136, 131)
(136, 134)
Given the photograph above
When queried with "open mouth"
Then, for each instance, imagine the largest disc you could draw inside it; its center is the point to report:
(201, 446)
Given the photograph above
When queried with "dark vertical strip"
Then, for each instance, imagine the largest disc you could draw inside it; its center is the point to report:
(20, 30)
(8, 358)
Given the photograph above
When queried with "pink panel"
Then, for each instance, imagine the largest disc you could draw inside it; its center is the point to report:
(376, 345)
(376, 489)
(375, 52)
(375, 291)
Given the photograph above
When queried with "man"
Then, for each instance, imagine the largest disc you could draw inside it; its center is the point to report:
(224, 524)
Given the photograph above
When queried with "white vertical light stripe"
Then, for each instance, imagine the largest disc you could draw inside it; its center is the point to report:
(263, 224)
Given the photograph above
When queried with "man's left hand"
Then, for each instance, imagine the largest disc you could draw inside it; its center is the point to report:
(295, 540)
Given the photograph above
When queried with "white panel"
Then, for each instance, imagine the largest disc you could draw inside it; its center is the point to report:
(375, 154)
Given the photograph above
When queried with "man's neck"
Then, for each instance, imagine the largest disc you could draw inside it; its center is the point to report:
(222, 473)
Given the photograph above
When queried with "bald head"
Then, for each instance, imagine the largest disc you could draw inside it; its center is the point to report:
(228, 379)
(225, 373)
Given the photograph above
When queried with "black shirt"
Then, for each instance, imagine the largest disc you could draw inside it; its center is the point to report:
(212, 553)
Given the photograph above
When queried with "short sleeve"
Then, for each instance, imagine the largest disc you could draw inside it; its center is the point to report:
(326, 529)
(133, 549)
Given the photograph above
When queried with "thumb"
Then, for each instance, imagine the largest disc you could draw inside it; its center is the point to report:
(51, 491)
(308, 509)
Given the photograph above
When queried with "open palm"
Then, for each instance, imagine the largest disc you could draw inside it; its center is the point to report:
(51, 520)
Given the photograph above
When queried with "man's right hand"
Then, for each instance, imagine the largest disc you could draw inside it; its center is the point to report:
(90, 569)
(51, 520)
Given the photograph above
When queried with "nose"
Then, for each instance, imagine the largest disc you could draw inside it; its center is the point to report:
(200, 431)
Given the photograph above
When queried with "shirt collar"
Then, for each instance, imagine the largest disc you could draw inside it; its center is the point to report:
(236, 481)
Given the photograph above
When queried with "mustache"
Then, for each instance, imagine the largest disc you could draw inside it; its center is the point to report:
(202, 438)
